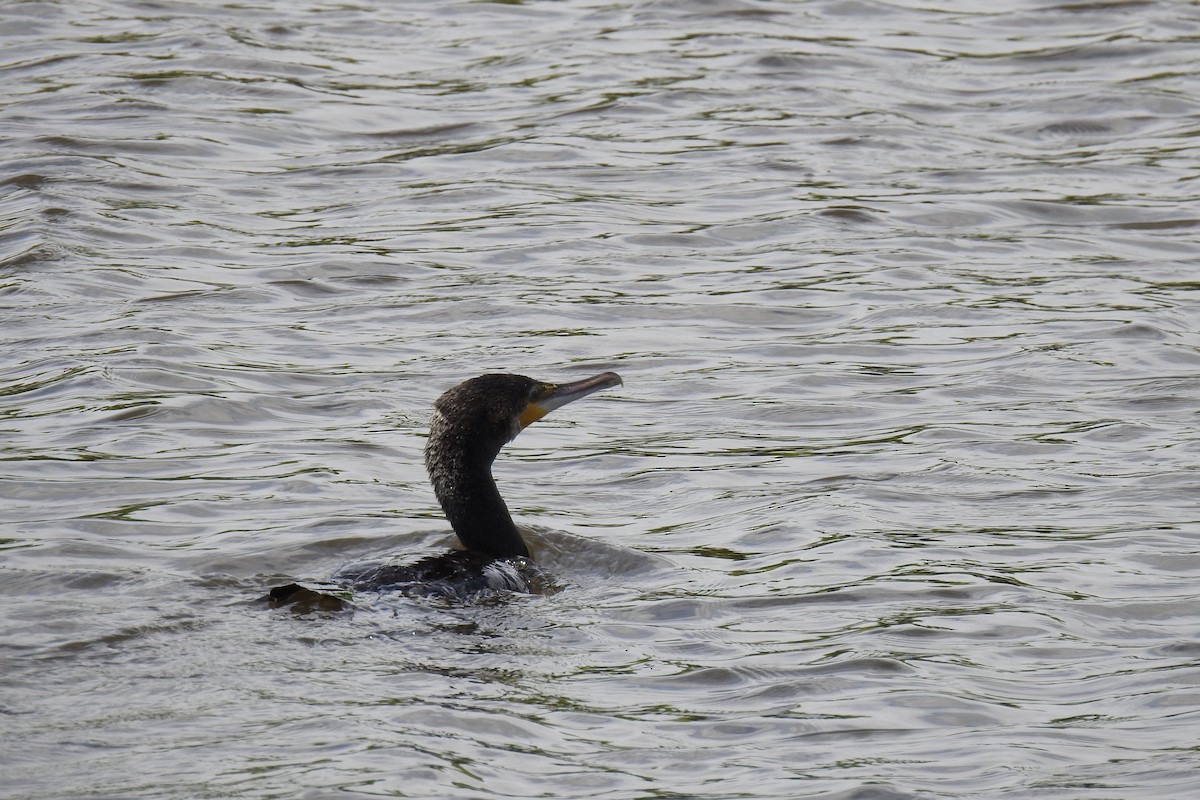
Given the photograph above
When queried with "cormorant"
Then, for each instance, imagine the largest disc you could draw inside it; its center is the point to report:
(471, 422)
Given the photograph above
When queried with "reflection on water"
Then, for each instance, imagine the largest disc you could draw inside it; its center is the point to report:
(897, 501)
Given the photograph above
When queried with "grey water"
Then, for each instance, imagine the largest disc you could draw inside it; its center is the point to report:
(900, 497)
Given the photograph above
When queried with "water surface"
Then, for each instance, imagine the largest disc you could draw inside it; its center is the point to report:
(898, 499)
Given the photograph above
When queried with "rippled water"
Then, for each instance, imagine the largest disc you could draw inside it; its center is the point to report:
(899, 499)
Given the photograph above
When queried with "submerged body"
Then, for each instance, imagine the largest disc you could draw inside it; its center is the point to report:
(470, 424)
(456, 573)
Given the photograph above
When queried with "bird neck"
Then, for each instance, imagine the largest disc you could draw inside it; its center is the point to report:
(478, 514)
(461, 475)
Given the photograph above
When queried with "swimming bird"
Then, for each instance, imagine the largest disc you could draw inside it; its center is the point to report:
(471, 423)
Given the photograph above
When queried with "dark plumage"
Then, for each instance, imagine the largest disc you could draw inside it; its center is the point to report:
(471, 422)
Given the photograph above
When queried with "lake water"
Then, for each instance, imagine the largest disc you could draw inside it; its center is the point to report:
(900, 498)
